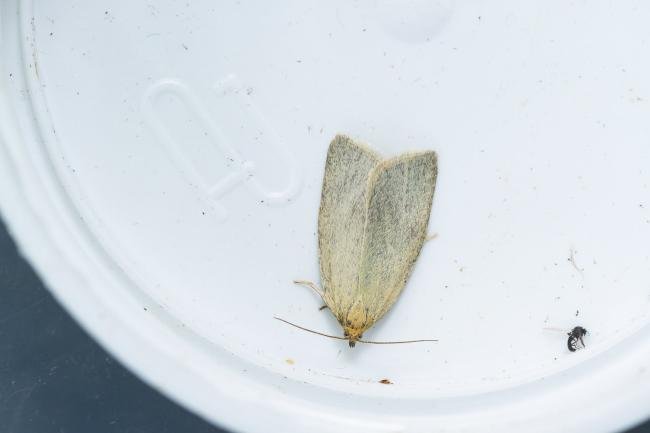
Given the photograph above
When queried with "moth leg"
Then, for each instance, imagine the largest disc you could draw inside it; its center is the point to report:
(583, 343)
(311, 285)
(323, 307)
(431, 237)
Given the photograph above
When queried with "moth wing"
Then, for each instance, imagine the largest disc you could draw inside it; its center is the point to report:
(342, 217)
(399, 204)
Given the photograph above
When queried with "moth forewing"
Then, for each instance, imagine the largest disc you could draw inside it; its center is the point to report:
(342, 218)
(399, 204)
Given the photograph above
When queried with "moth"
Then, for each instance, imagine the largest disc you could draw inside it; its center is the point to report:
(372, 223)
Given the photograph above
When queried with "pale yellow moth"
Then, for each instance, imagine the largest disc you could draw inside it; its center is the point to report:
(372, 224)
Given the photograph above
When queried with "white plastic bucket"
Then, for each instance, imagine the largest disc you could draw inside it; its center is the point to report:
(161, 165)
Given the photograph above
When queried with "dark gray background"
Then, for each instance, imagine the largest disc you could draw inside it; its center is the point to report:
(55, 379)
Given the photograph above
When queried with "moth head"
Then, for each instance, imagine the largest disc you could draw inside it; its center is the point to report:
(352, 335)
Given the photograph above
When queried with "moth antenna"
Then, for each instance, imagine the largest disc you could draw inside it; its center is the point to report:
(309, 330)
(395, 342)
(347, 339)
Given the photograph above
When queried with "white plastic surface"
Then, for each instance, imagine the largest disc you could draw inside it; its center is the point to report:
(161, 164)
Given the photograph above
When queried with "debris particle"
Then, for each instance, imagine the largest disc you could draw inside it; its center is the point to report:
(289, 361)
(572, 260)
(386, 382)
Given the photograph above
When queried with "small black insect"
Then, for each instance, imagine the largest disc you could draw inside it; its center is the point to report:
(576, 335)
